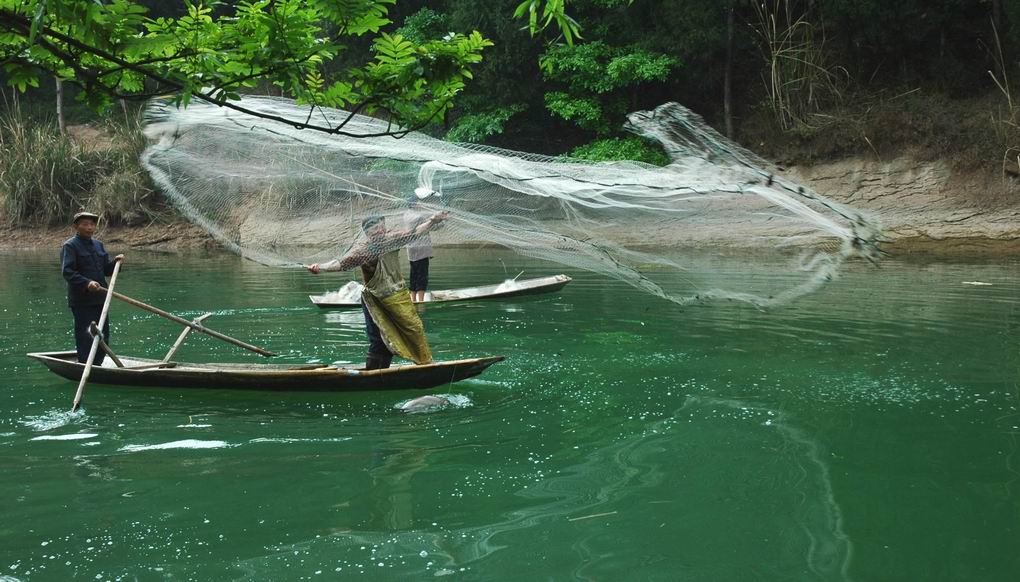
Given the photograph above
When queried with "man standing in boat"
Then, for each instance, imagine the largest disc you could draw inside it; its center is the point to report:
(391, 321)
(419, 251)
(85, 263)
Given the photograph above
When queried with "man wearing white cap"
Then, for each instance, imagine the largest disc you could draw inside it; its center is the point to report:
(85, 263)
(419, 250)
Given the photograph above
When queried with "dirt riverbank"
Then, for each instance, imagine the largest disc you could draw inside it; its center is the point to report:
(923, 206)
(119, 239)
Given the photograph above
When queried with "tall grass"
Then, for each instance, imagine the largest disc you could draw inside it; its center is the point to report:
(46, 177)
(798, 79)
(1005, 121)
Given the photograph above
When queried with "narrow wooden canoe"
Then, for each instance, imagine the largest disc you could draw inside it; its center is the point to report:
(506, 289)
(296, 378)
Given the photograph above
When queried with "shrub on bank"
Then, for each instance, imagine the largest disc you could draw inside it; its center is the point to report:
(626, 148)
(46, 176)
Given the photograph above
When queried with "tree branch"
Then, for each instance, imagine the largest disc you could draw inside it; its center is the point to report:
(152, 61)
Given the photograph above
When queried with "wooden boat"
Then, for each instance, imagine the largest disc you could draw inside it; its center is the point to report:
(351, 297)
(283, 377)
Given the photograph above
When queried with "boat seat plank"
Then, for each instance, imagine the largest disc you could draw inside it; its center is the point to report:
(158, 365)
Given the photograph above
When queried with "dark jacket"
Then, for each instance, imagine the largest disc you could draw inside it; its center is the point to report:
(83, 260)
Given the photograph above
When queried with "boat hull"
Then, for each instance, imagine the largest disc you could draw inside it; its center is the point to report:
(272, 377)
(526, 287)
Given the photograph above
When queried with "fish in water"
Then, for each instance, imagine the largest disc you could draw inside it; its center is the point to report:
(424, 404)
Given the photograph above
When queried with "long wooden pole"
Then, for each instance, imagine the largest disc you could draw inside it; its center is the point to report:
(96, 339)
(195, 326)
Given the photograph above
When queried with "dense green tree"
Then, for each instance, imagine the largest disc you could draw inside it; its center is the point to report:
(560, 74)
(909, 41)
(600, 83)
(504, 96)
(215, 50)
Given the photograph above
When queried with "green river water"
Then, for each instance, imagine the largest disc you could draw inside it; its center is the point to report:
(866, 432)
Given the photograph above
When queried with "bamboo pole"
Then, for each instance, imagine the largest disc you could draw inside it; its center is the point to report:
(96, 338)
(182, 337)
(160, 366)
(195, 326)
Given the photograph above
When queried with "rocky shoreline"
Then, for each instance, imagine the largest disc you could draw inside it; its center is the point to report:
(924, 208)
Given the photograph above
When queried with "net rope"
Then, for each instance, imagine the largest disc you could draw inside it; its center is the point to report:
(286, 197)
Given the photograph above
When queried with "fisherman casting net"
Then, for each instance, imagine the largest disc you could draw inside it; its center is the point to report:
(286, 197)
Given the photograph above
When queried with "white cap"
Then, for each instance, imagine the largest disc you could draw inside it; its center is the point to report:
(423, 192)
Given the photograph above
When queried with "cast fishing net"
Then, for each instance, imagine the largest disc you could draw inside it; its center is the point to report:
(285, 197)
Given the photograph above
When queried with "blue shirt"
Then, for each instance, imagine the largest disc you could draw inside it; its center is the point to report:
(83, 260)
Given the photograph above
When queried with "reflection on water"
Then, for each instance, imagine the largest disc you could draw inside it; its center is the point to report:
(865, 432)
(598, 487)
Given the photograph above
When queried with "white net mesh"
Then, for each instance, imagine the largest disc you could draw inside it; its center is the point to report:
(283, 196)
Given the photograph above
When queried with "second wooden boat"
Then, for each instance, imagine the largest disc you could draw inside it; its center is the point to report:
(350, 295)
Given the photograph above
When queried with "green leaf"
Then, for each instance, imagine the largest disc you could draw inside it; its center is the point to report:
(616, 149)
(40, 12)
(477, 127)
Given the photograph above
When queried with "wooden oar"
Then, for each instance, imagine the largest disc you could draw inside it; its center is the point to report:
(96, 338)
(195, 326)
